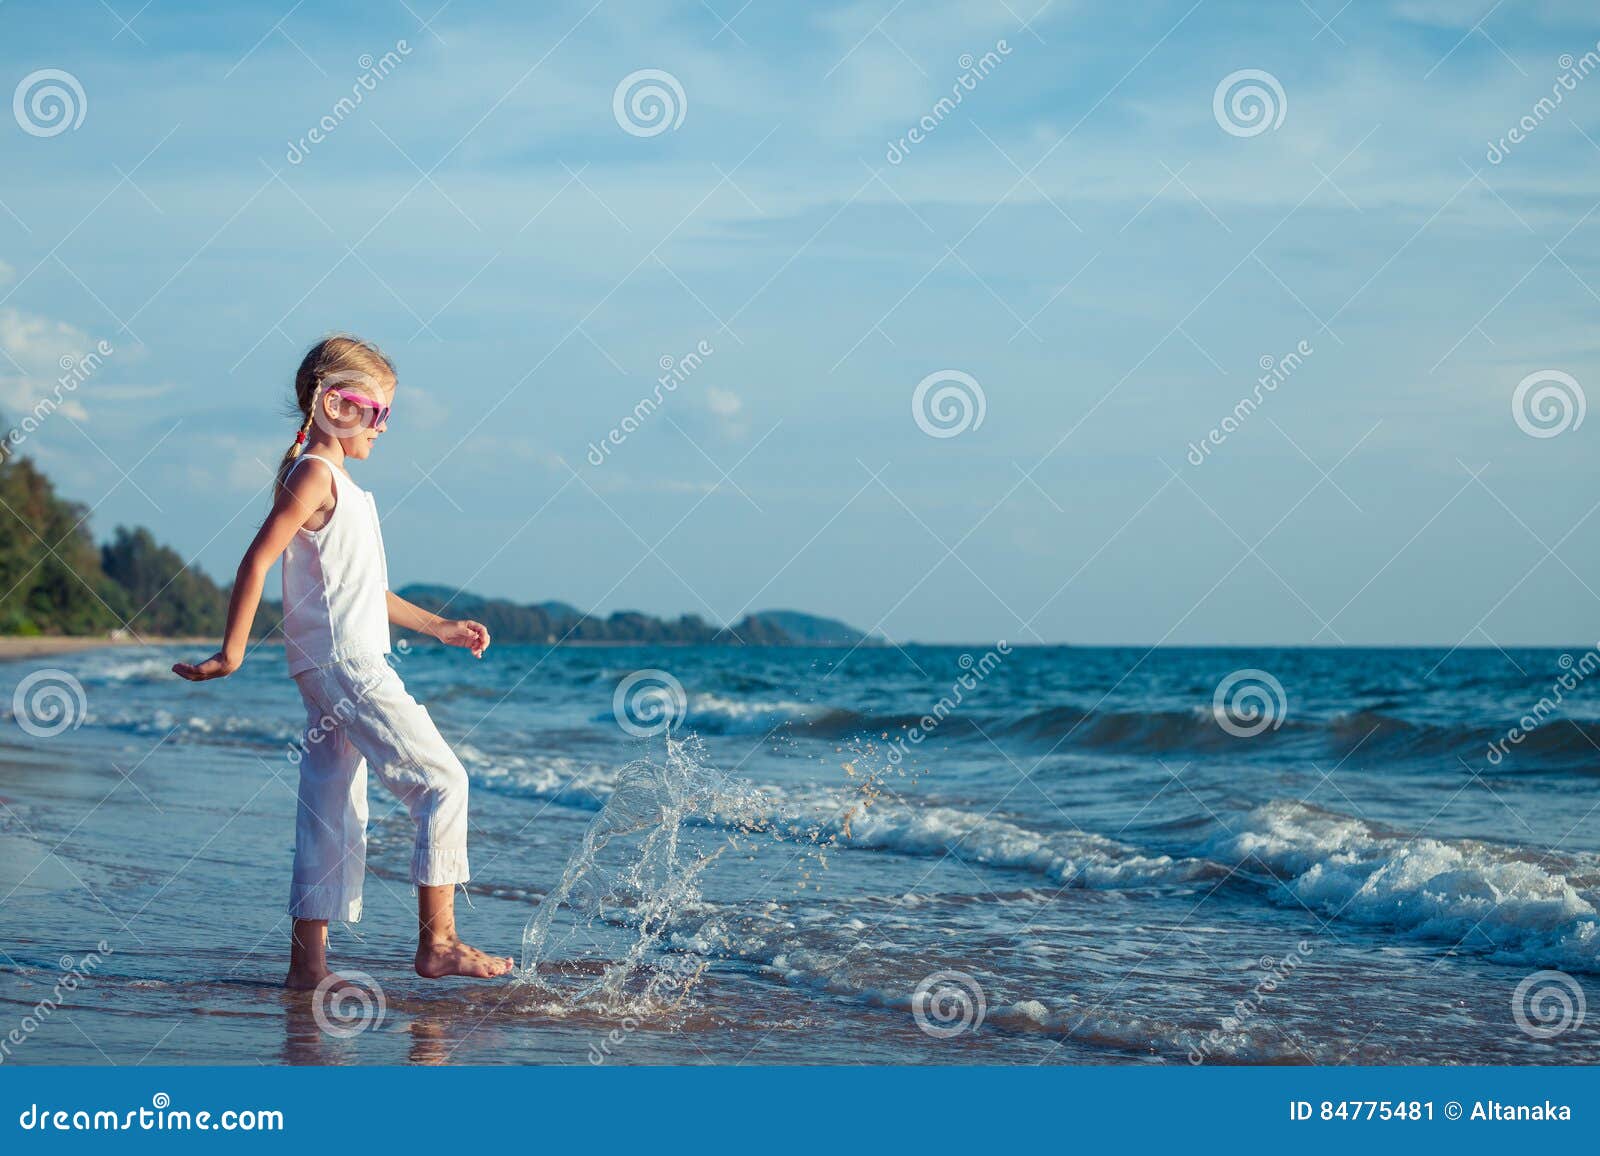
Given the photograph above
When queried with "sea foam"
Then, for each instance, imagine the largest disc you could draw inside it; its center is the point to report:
(1517, 905)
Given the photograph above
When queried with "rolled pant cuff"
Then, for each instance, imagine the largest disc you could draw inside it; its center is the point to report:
(439, 868)
(322, 901)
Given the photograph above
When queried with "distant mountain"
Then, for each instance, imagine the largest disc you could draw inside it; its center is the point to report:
(551, 622)
(810, 630)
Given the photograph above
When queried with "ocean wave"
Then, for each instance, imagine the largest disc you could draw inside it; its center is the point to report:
(1076, 859)
(557, 778)
(723, 715)
(1559, 744)
(114, 666)
(1516, 905)
(223, 729)
(718, 714)
(866, 819)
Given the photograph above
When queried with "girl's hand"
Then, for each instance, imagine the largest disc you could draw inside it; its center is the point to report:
(464, 632)
(219, 665)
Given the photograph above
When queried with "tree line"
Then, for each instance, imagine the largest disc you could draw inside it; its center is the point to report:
(54, 579)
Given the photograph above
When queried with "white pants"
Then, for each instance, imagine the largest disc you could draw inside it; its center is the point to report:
(358, 713)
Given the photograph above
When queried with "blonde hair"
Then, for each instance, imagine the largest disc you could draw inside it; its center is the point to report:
(333, 360)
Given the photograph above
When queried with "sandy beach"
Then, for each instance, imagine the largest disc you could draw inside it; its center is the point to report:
(12, 646)
(43, 646)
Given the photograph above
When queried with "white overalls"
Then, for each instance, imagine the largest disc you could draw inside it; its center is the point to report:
(336, 630)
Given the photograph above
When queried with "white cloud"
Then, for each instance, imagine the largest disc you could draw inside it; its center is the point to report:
(33, 348)
(20, 395)
(723, 402)
(727, 408)
(36, 345)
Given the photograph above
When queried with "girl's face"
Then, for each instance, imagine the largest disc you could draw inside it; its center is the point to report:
(354, 424)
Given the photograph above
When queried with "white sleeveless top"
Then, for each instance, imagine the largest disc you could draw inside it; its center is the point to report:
(335, 581)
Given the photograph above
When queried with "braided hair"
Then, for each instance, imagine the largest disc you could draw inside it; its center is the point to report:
(340, 357)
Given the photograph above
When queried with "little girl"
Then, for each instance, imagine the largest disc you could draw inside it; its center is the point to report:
(337, 607)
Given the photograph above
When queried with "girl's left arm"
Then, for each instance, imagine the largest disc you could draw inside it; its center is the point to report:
(463, 632)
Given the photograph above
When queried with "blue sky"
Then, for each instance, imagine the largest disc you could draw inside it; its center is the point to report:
(1081, 236)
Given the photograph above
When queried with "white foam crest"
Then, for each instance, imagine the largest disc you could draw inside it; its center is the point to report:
(864, 818)
(1076, 858)
(557, 778)
(718, 714)
(1517, 904)
(200, 727)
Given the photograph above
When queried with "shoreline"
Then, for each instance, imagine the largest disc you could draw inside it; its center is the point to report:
(46, 645)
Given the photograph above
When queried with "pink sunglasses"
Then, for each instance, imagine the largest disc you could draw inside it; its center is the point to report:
(380, 410)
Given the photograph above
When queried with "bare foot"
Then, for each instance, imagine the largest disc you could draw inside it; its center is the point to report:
(312, 979)
(438, 960)
(305, 978)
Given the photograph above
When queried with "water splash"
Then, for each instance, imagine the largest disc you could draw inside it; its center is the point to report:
(626, 930)
(635, 873)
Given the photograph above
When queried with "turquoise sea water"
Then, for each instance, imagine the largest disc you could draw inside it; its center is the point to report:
(1089, 847)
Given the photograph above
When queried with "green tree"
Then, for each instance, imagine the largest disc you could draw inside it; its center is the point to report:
(50, 576)
(168, 597)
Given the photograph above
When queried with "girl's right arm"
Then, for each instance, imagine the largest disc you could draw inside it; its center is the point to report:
(305, 492)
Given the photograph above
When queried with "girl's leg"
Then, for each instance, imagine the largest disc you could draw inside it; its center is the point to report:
(308, 954)
(440, 951)
(397, 737)
(330, 841)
